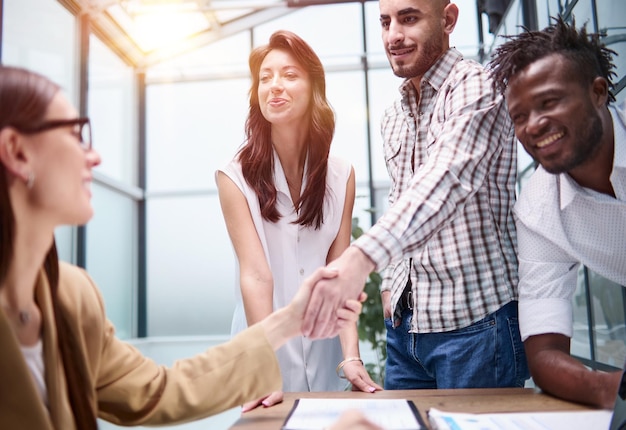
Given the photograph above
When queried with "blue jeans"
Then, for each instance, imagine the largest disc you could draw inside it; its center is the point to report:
(488, 353)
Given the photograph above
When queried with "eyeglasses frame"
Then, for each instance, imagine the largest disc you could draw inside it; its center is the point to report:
(56, 123)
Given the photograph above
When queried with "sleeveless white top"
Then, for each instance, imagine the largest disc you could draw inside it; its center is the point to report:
(293, 253)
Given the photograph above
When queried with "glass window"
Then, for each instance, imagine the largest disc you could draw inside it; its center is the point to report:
(599, 314)
(224, 58)
(545, 10)
(191, 264)
(375, 47)
(383, 91)
(314, 24)
(112, 255)
(362, 207)
(346, 93)
(193, 128)
(510, 24)
(41, 36)
(582, 12)
(65, 238)
(113, 111)
(610, 332)
(611, 21)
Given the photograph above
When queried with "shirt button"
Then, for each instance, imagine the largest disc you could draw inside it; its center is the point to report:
(302, 271)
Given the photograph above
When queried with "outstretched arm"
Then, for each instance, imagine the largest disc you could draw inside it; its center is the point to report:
(352, 267)
(287, 322)
(556, 372)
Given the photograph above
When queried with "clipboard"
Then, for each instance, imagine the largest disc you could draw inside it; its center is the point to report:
(319, 413)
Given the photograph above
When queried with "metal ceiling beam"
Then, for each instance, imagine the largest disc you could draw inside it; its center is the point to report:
(106, 28)
(202, 39)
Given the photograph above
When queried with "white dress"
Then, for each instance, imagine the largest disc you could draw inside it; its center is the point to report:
(294, 252)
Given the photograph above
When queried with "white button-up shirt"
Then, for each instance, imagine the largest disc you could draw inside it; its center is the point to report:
(561, 225)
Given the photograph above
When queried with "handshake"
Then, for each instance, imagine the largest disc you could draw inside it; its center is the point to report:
(327, 301)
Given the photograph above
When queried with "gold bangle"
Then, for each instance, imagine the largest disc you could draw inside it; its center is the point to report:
(347, 360)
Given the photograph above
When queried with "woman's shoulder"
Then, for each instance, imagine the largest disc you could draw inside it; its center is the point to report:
(232, 169)
(339, 166)
(77, 291)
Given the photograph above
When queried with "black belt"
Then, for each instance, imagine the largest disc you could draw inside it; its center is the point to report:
(406, 299)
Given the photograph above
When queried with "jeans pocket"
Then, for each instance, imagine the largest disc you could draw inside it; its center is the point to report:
(519, 354)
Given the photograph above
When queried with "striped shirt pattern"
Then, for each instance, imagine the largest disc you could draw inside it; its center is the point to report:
(451, 155)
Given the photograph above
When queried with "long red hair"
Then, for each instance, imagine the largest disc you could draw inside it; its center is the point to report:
(256, 156)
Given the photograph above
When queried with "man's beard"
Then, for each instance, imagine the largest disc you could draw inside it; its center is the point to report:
(431, 51)
(586, 145)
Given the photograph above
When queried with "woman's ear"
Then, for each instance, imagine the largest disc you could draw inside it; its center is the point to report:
(14, 154)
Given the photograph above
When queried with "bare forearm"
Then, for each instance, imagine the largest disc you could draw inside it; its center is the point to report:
(563, 376)
(257, 299)
(349, 338)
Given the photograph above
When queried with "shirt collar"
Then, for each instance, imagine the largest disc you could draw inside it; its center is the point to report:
(438, 73)
(618, 176)
(569, 188)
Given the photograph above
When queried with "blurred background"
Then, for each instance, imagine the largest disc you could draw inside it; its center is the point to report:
(165, 83)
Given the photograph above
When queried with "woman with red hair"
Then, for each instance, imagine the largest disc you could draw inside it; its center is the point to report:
(288, 207)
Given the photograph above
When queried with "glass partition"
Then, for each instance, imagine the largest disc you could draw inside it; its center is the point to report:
(191, 269)
(112, 101)
(192, 129)
(49, 44)
(112, 255)
(334, 31)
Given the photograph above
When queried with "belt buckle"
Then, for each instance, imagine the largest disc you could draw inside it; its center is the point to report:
(407, 300)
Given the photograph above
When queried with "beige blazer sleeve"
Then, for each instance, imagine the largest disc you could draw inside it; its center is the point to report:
(131, 389)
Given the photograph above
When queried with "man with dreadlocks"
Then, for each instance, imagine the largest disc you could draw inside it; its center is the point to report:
(557, 85)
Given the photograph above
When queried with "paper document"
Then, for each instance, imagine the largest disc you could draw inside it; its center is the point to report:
(565, 420)
(390, 414)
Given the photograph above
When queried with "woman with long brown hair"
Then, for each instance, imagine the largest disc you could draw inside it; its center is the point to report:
(61, 365)
(288, 208)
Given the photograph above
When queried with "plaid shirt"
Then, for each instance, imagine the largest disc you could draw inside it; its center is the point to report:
(451, 155)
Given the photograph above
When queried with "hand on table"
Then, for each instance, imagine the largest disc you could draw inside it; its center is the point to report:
(270, 400)
(360, 379)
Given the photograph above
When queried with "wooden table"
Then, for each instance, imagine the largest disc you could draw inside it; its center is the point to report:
(460, 400)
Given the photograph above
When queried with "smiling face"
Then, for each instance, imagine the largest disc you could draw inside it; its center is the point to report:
(556, 116)
(62, 168)
(284, 89)
(415, 33)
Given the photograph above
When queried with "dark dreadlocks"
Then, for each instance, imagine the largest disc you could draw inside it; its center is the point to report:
(586, 52)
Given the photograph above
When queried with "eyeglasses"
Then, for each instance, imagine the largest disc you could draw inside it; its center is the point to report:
(82, 129)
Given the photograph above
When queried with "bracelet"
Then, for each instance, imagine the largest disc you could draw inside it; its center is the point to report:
(347, 360)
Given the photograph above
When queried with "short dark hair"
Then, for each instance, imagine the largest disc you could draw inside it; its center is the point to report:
(584, 50)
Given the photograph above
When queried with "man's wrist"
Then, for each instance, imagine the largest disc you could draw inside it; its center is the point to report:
(363, 261)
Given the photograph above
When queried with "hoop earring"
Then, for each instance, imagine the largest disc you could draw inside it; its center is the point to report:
(30, 181)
